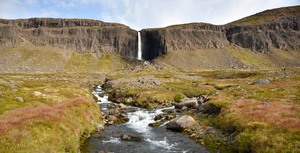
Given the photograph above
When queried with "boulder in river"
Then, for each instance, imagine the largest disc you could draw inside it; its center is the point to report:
(190, 103)
(122, 106)
(114, 112)
(111, 119)
(181, 123)
(131, 138)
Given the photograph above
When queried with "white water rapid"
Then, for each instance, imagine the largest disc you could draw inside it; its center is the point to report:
(155, 139)
(139, 46)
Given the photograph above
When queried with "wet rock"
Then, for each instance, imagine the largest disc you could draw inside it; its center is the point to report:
(122, 106)
(190, 103)
(111, 119)
(114, 112)
(155, 124)
(131, 138)
(20, 99)
(158, 117)
(124, 120)
(169, 117)
(181, 123)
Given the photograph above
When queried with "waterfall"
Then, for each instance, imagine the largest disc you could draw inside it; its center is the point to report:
(139, 46)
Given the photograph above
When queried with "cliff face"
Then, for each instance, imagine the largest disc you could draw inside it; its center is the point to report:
(182, 37)
(74, 34)
(277, 29)
(281, 34)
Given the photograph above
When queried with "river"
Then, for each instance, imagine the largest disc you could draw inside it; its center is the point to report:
(155, 139)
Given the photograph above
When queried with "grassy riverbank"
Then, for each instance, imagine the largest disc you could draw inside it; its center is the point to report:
(259, 108)
(46, 112)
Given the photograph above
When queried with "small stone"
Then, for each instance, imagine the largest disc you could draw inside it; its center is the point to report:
(114, 112)
(46, 90)
(122, 106)
(99, 127)
(20, 99)
(111, 119)
(265, 103)
(37, 93)
(158, 117)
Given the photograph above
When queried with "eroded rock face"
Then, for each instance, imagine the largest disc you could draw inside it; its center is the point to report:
(282, 33)
(182, 37)
(79, 35)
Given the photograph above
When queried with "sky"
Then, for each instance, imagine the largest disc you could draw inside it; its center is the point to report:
(140, 14)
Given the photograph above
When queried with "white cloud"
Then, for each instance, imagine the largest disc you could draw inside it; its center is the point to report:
(142, 13)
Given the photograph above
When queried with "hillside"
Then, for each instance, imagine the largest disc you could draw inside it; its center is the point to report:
(267, 39)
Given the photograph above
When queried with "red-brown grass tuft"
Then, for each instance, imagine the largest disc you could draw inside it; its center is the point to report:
(46, 112)
(278, 114)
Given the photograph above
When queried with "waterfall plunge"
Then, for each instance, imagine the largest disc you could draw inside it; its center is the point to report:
(139, 46)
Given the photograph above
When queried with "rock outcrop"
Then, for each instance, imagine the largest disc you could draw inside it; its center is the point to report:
(78, 35)
(282, 33)
(189, 103)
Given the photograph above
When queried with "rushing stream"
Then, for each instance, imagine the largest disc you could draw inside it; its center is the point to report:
(155, 139)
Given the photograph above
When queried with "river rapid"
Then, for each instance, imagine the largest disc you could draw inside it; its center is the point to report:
(153, 139)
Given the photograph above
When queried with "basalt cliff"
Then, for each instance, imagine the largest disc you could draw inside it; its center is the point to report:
(79, 35)
(262, 32)
(267, 39)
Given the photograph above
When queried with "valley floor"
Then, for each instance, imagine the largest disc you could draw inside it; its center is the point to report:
(256, 110)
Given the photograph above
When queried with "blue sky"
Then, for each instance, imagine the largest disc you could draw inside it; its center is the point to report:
(140, 14)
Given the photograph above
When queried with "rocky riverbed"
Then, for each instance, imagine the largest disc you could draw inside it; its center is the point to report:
(129, 128)
(171, 129)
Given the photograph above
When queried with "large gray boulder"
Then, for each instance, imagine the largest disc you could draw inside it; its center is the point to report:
(181, 123)
(190, 103)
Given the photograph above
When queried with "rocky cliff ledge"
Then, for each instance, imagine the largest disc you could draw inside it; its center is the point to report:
(79, 35)
(182, 37)
(278, 28)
